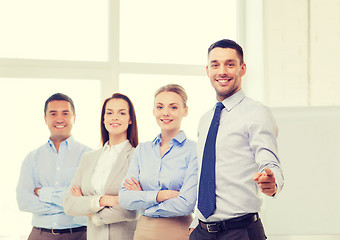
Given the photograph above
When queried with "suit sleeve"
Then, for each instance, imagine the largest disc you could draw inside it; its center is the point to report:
(115, 214)
(84, 205)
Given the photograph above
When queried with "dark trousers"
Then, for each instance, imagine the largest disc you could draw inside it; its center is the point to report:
(37, 234)
(254, 231)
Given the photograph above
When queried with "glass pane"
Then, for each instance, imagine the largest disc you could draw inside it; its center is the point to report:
(141, 89)
(177, 31)
(24, 129)
(58, 30)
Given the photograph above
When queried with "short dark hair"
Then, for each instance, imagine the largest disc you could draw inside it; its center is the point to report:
(132, 131)
(59, 97)
(227, 43)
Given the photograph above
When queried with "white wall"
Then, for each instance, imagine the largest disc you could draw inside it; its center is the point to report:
(325, 52)
(301, 52)
(309, 151)
(301, 68)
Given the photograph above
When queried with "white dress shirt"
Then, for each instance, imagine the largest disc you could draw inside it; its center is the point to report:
(245, 144)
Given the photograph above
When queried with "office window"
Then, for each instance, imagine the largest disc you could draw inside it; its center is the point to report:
(167, 42)
(58, 30)
(100, 49)
(23, 129)
(175, 32)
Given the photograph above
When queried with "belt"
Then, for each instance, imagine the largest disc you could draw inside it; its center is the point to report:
(234, 223)
(61, 231)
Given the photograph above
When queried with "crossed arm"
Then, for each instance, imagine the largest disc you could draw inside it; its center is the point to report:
(162, 195)
(104, 201)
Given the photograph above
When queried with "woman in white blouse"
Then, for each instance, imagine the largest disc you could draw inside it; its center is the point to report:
(94, 189)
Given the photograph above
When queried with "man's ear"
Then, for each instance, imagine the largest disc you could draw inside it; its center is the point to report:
(207, 70)
(243, 69)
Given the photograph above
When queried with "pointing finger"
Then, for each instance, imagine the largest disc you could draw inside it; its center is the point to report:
(268, 171)
(257, 176)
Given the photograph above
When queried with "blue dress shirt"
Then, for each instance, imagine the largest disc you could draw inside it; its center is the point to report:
(51, 171)
(176, 170)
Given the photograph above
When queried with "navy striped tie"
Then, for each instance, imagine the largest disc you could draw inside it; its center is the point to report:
(206, 192)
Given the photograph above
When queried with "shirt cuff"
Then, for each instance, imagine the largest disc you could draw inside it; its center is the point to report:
(151, 212)
(95, 206)
(152, 197)
(45, 194)
(149, 199)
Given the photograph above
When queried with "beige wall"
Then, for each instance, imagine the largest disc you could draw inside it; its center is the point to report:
(301, 52)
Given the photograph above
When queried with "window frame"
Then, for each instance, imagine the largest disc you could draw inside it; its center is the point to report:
(107, 72)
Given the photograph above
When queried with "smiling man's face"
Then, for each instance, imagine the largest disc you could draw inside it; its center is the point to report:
(225, 72)
(59, 118)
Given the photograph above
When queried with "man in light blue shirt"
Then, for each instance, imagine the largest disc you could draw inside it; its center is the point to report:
(245, 151)
(47, 172)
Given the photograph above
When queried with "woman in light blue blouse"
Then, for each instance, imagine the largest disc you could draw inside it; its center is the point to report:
(161, 180)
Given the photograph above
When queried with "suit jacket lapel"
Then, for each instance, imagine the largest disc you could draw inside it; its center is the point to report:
(90, 170)
(120, 165)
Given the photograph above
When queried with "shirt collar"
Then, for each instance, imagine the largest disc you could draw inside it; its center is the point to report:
(180, 138)
(68, 142)
(119, 147)
(230, 102)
